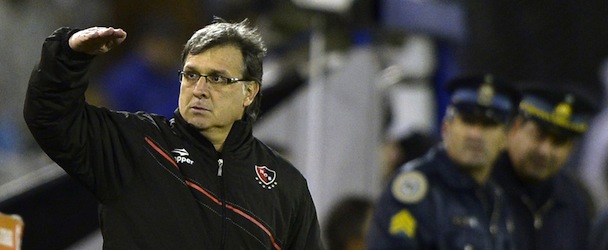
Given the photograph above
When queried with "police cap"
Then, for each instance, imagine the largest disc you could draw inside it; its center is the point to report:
(559, 107)
(483, 96)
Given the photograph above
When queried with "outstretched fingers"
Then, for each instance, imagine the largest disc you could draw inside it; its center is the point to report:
(97, 40)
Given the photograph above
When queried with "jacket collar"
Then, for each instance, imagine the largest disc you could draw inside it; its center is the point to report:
(240, 134)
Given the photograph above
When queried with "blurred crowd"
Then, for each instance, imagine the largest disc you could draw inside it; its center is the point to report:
(416, 46)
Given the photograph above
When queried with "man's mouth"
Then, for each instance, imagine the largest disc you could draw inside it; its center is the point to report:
(198, 109)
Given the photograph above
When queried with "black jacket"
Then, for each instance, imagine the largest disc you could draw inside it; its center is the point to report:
(160, 183)
(551, 215)
(431, 204)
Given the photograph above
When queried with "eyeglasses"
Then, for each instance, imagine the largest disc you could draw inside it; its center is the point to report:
(191, 77)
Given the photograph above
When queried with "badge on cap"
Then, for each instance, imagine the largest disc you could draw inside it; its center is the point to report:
(486, 91)
(563, 110)
(410, 187)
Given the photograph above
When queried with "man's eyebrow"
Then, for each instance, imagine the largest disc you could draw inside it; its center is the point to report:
(208, 72)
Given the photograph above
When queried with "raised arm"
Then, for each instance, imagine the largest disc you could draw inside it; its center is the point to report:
(85, 140)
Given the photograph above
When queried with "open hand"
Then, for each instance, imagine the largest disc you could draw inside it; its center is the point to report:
(96, 40)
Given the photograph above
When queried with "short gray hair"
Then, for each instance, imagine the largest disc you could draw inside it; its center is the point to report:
(240, 34)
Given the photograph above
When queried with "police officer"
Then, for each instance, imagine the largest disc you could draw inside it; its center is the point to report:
(445, 200)
(551, 210)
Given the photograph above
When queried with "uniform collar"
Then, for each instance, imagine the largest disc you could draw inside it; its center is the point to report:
(505, 175)
(450, 172)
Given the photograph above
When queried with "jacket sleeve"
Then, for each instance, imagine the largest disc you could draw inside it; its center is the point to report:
(408, 213)
(306, 232)
(393, 226)
(84, 140)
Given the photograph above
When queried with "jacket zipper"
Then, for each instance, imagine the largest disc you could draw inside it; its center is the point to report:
(220, 164)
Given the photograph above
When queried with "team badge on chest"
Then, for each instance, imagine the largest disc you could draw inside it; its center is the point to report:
(266, 177)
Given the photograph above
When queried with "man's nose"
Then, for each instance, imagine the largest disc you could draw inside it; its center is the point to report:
(201, 88)
(545, 146)
(476, 130)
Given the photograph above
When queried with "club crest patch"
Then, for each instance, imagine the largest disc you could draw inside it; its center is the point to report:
(410, 187)
(266, 177)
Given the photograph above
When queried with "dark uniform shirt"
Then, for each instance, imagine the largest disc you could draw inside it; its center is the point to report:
(431, 204)
(550, 215)
(598, 238)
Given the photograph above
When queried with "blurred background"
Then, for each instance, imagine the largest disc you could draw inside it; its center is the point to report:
(352, 88)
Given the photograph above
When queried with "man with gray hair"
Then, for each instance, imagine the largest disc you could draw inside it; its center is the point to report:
(199, 180)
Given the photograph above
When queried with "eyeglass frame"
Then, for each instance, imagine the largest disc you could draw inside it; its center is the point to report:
(228, 80)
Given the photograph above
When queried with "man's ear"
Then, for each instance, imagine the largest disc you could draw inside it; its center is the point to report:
(444, 128)
(251, 90)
